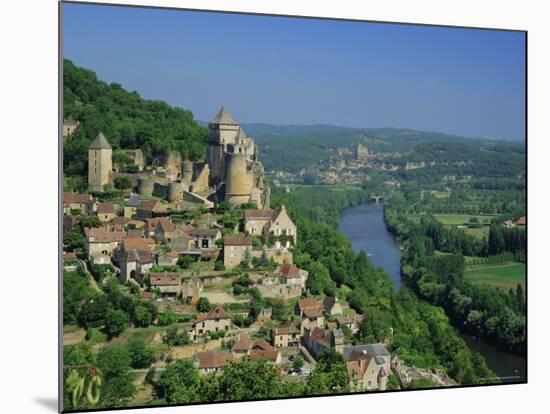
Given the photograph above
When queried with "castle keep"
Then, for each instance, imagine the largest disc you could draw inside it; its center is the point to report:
(230, 172)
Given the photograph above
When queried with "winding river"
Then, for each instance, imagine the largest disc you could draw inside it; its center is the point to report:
(364, 226)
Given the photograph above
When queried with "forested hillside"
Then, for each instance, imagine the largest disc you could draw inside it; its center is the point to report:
(127, 120)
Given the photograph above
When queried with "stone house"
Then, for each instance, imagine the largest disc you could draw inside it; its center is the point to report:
(106, 212)
(164, 229)
(181, 240)
(192, 289)
(213, 321)
(351, 322)
(134, 263)
(286, 335)
(254, 349)
(74, 201)
(208, 362)
(149, 209)
(265, 222)
(168, 259)
(331, 306)
(317, 340)
(102, 242)
(368, 366)
(205, 238)
(69, 126)
(310, 312)
(169, 283)
(292, 275)
(235, 250)
(131, 205)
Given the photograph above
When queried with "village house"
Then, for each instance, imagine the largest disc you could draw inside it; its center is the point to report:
(134, 264)
(149, 209)
(164, 229)
(208, 362)
(106, 212)
(331, 306)
(368, 366)
(74, 202)
(235, 250)
(310, 312)
(205, 238)
(317, 340)
(169, 283)
(265, 222)
(286, 335)
(102, 242)
(213, 321)
(254, 349)
(351, 322)
(69, 126)
(151, 225)
(181, 240)
(168, 259)
(292, 275)
(131, 205)
(192, 289)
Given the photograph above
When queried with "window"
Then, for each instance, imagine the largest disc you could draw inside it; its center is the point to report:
(252, 230)
(289, 232)
(205, 243)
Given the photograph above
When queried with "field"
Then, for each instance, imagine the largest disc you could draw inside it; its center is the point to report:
(460, 219)
(506, 276)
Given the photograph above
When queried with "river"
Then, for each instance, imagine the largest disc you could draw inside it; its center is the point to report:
(364, 226)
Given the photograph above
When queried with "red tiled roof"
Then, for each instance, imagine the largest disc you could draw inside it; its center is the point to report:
(259, 214)
(103, 236)
(269, 354)
(287, 329)
(212, 359)
(289, 271)
(106, 208)
(203, 232)
(165, 279)
(238, 241)
(243, 344)
(166, 225)
(137, 243)
(76, 198)
(120, 220)
(216, 312)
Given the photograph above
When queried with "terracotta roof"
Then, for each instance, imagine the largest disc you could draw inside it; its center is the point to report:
(287, 329)
(243, 344)
(135, 234)
(151, 224)
(138, 243)
(320, 335)
(103, 236)
(343, 320)
(269, 354)
(203, 232)
(212, 359)
(312, 312)
(261, 343)
(165, 279)
(267, 214)
(138, 224)
(216, 312)
(522, 221)
(76, 198)
(289, 271)
(105, 208)
(166, 225)
(308, 303)
(237, 241)
(120, 220)
(139, 256)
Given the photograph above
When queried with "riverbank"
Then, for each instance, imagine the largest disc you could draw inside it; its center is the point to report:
(366, 229)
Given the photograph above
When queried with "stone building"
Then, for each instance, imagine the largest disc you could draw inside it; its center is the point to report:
(69, 126)
(286, 335)
(213, 321)
(100, 163)
(267, 221)
(368, 366)
(235, 250)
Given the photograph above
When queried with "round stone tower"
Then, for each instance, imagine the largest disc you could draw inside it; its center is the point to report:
(146, 186)
(239, 182)
(187, 171)
(175, 192)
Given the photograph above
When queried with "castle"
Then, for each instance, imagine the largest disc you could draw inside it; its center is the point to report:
(230, 172)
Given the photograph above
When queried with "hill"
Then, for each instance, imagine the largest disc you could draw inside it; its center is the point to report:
(126, 119)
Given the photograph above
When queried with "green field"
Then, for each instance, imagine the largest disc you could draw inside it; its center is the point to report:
(459, 219)
(506, 276)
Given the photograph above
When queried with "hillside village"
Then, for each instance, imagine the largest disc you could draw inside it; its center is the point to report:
(200, 244)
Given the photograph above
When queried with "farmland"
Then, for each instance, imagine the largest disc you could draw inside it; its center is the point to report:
(505, 276)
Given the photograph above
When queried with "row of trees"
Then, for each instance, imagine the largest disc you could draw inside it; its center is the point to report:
(482, 311)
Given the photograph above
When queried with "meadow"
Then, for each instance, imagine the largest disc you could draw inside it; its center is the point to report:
(505, 276)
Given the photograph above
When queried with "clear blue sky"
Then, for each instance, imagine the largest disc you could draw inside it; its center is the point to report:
(304, 71)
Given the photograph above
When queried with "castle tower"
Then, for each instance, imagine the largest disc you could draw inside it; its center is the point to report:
(100, 163)
(239, 181)
(223, 131)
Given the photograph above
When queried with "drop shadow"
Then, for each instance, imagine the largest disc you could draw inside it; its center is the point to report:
(49, 403)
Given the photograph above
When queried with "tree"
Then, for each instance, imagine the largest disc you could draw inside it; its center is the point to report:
(122, 183)
(298, 363)
(175, 338)
(167, 317)
(115, 362)
(330, 376)
(143, 315)
(142, 357)
(178, 383)
(185, 261)
(203, 305)
(116, 321)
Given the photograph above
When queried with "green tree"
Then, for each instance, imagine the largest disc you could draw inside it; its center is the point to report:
(142, 356)
(178, 383)
(116, 321)
(203, 305)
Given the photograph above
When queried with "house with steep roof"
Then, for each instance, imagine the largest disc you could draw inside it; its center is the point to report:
(205, 238)
(368, 366)
(164, 229)
(169, 283)
(102, 242)
(134, 264)
(351, 322)
(69, 126)
(286, 335)
(331, 306)
(206, 323)
(78, 202)
(310, 312)
(235, 250)
(106, 212)
(317, 340)
(292, 275)
(208, 362)
(268, 221)
(255, 349)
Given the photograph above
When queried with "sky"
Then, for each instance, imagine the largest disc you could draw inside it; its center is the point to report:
(308, 71)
